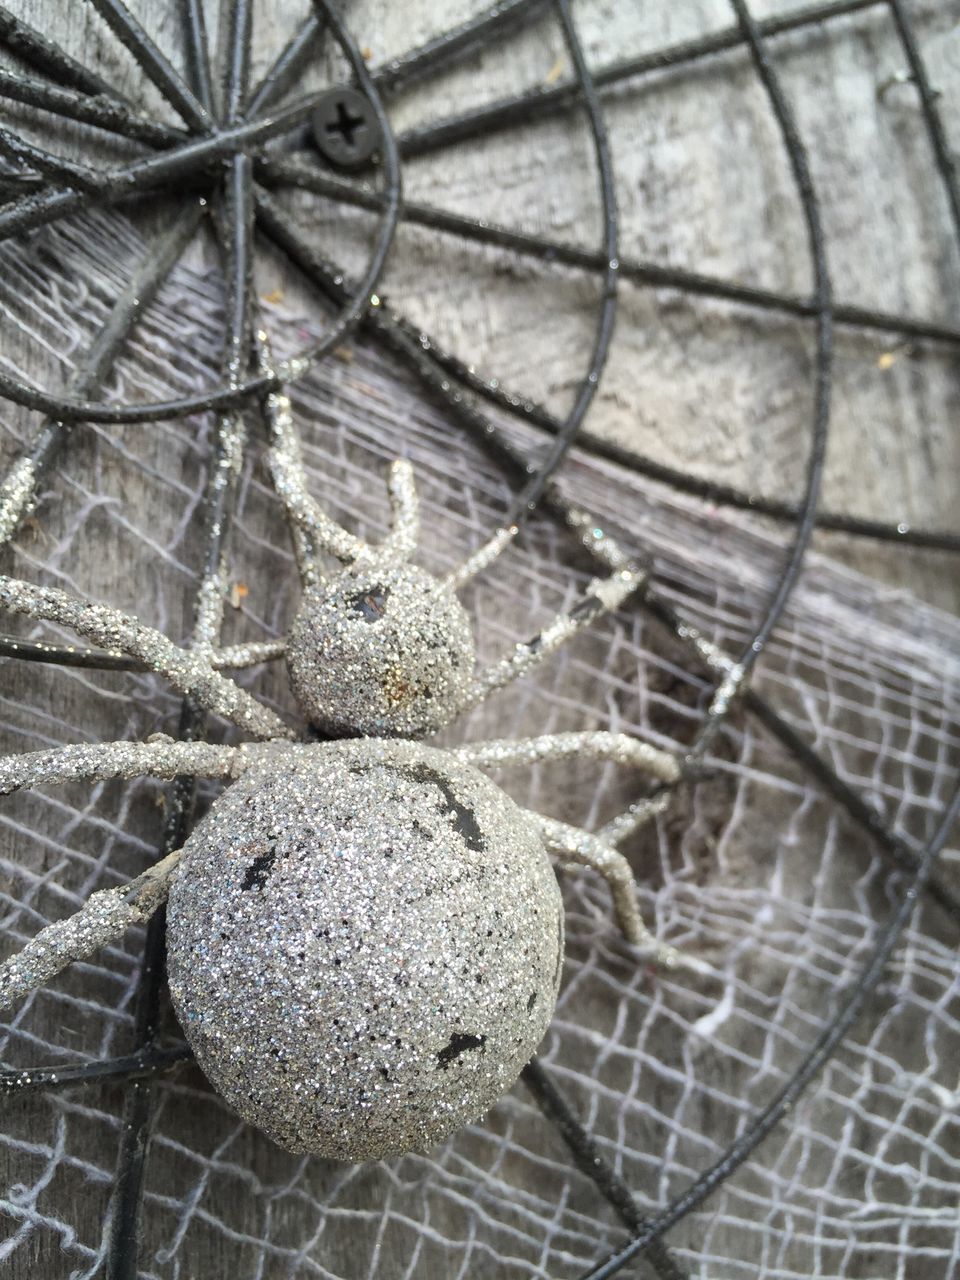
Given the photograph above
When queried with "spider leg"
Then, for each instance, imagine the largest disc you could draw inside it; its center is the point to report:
(161, 757)
(104, 917)
(603, 595)
(109, 912)
(305, 554)
(583, 849)
(619, 747)
(401, 541)
(309, 523)
(636, 816)
(482, 558)
(596, 540)
(238, 656)
(580, 847)
(189, 673)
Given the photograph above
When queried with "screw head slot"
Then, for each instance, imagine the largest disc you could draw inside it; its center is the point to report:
(344, 128)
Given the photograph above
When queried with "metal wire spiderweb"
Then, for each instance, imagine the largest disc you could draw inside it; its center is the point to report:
(438, 371)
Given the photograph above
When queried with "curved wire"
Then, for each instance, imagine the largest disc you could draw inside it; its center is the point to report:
(586, 1156)
(219, 502)
(285, 171)
(414, 348)
(918, 881)
(294, 170)
(699, 486)
(329, 279)
(833, 1034)
(823, 302)
(133, 1066)
(182, 159)
(687, 482)
(532, 491)
(148, 173)
(722, 700)
(534, 104)
(455, 42)
(931, 115)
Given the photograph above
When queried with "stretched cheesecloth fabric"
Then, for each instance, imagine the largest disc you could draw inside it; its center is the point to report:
(754, 870)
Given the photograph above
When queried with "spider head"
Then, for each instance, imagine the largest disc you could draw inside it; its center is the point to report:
(381, 649)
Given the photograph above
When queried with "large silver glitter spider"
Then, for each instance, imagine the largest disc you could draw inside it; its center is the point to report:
(365, 934)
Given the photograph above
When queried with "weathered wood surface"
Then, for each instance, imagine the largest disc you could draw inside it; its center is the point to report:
(703, 182)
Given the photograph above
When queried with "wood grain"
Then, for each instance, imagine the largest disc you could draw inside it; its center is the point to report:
(703, 183)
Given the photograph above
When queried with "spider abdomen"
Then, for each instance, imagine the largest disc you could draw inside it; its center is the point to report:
(380, 651)
(365, 944)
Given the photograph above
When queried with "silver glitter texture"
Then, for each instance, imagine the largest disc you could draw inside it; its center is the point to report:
(408, 674)
(189, 672)
(17, 493)
(105, 916)
(382, 649)
(365, 943)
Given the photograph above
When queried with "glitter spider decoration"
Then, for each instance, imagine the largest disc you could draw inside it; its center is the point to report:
(365, 935)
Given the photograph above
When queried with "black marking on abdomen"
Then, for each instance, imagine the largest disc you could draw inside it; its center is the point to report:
(259, 869)
(460, 1042)
(464, 818)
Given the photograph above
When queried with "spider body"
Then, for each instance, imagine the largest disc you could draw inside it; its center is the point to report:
(365, 934)
(365, 943)
(380, 649)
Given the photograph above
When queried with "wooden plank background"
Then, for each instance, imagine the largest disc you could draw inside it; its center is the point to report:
(703, 183)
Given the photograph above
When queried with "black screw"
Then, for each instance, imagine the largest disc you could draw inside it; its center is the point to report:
(344, 128)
